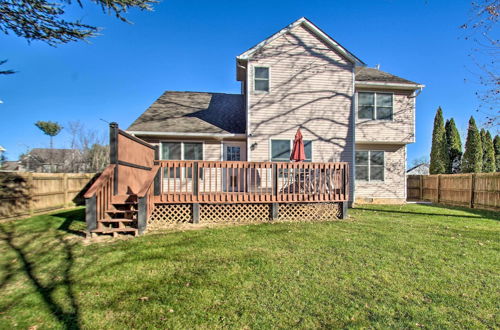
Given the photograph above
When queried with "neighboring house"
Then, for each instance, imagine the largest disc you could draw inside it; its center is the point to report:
(11, 166)
(52, 160)
(420, 169)
(298, 78)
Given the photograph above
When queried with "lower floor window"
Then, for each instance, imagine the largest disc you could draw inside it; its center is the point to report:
(181, 151)
(281, 150)
(369, 165)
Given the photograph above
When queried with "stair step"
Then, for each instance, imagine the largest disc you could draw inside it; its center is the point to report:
(121, 211)
(124, 199)
(115, 230)
(117, 220)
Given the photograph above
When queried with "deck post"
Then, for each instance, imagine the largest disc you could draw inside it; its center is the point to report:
(196, 181)
(91, 213)
(275, 180)
(157, 184)
(113, 153)
(142, 214)
(343, 210)
(275, 211)
(196, 213)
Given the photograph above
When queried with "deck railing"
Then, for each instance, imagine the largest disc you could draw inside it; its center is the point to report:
(99, 197)
(252, 182)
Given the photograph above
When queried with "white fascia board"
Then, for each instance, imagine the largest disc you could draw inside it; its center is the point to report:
(369, 84)
(214, 135)
(246, 55)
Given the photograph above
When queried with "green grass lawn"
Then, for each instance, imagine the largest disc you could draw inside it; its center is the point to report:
(387, 266)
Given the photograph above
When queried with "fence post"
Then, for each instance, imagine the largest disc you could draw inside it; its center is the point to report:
(438, 188)
(472, 189)
(142, 214)
(31, 189)
(66, 188)
(91, 213)
(421, 187)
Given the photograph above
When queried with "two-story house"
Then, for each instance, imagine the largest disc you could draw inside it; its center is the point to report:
(298, 78)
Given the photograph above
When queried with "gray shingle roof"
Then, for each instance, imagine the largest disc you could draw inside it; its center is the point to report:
(371, 74)
(194, 112)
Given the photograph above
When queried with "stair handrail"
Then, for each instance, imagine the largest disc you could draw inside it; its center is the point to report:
(149, 180)
(105, 175)
(145, 199)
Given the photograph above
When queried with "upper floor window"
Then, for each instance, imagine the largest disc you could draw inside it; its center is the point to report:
(282, 149)
(261, 79)
(375, 105)
(369, 165)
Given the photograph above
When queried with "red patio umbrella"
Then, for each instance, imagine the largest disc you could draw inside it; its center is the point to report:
(298, 153)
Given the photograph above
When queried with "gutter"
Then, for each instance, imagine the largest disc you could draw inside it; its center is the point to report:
(214, 135)
(390, 85)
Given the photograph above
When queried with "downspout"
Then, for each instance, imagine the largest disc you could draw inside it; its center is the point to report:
(247, 84)
(353, 114)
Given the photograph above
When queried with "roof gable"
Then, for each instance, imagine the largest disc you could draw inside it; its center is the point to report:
(313, 29)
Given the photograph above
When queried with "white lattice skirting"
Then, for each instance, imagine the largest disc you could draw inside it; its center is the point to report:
(165, 215)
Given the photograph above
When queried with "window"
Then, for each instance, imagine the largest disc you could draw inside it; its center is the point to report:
(233, 153)
(261, 79)
(181, 151)
(375, 106)
(369, 165)
(282, 149)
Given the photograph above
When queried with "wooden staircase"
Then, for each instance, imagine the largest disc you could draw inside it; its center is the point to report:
(121, 217)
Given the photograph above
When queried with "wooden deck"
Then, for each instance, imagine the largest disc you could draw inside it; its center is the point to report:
(134, 185)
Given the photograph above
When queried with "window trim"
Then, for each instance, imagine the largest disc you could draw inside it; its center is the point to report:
(270, 153)
(374, 118)
(268, 79)
(370, 165)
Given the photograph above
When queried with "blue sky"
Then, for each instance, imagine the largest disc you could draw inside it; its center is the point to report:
(191, 46)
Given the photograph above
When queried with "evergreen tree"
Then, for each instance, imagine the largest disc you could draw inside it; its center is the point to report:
(496, 146)
(453, 146)
(51, 129)
(488, 152)
(472, 162)
(439, 155)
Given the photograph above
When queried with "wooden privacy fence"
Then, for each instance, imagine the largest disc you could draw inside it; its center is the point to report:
(29, 193)
(478, 190)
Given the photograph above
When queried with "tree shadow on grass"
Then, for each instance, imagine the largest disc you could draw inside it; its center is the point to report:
(47, 283)
(71, 217)
(440, 210)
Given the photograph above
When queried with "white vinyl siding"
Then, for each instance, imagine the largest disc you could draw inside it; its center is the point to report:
(400, 129)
